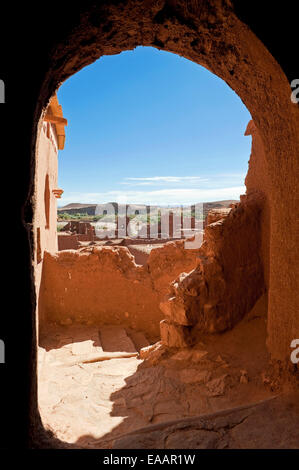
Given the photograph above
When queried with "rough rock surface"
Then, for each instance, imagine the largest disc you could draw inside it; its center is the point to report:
(228, 279)
(270, 424)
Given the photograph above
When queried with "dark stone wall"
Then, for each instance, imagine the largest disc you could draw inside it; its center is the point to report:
(38, 52)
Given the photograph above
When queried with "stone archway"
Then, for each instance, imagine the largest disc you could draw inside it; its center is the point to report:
(214, 37)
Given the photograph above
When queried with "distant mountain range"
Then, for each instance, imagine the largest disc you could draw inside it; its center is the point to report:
(89, 209)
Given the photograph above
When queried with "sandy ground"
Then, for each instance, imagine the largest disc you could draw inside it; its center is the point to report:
(90, 404)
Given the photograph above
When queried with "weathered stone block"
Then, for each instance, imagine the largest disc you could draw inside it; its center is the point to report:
(174, 336)
(177, 313)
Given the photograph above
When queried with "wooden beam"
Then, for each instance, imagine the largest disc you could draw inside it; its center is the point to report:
(61, 140)
(55, 119)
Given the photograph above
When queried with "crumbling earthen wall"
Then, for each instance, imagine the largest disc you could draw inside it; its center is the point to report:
(67, 241)
(45, 223)
(227, 281)
(166, 263)
(257, 179)
(103, 285)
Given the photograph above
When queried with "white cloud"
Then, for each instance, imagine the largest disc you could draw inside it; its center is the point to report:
(165, 179)
(164, 196)
(219, 180)
(169, 180)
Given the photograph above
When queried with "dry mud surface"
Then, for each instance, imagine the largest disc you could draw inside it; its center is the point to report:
(95, 392)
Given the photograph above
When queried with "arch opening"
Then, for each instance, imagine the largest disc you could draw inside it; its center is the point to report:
(231, 59)
(90, 312)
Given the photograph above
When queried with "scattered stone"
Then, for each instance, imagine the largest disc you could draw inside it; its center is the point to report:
(194, 375)
(184, 355)
(144, 352)
(198, 355)
(176, 312)
(221, 361)
(216, 386)
(153, 353)
(265, 378)
(193, 355)
(174, 336)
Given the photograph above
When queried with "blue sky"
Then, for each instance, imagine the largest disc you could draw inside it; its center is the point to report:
(150, 127)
